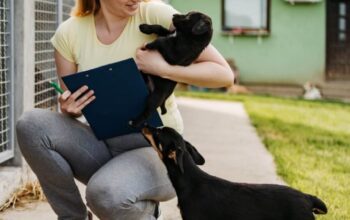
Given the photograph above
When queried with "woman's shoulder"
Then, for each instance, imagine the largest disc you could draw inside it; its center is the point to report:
(155, 7)
(153, 4)
(156, 11)
(74, 24)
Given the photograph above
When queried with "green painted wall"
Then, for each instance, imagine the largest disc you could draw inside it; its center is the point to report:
(293, 53)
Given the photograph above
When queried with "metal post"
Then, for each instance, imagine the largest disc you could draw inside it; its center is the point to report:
(59, 11)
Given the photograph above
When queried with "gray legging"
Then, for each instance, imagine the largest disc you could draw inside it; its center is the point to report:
(124, 176)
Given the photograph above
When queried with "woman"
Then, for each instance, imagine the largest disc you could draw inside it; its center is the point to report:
(125, 178)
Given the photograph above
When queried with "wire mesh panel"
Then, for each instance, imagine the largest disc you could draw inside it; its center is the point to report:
(47, 17)
(46, 22)
(66, 8)
(6, 69)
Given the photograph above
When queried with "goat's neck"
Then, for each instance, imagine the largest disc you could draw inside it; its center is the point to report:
(191, 177)
(182, 39)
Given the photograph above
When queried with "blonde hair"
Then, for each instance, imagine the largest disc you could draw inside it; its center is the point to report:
(85, 7)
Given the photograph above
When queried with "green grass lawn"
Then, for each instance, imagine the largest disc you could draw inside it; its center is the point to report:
(310, 142)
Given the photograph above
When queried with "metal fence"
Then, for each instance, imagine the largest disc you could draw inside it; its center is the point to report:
(48, 15)
(67, 6)
(46, 22)
(6, 80)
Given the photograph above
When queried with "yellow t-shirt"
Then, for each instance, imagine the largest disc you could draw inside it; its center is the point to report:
(76, 40)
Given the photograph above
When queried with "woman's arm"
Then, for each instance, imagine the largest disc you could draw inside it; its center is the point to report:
(209, 70)
(69, 102)
(64, 68)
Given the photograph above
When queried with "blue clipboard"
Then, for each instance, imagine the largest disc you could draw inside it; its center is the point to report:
(121, 95)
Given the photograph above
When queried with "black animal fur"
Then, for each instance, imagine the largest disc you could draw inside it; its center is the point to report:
(205, 197)
(182, 46)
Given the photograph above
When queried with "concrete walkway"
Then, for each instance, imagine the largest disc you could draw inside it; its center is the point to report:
(223, 133)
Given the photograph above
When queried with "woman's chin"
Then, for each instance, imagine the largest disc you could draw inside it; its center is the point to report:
(131, 10)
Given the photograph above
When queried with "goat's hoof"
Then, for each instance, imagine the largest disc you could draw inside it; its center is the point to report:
(144, 28)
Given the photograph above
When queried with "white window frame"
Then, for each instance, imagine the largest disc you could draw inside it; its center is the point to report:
(251, 17)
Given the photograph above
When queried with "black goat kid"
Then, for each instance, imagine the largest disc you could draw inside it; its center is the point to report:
(182, 46)
(205, 197)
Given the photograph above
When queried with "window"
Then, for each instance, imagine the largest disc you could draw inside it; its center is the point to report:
(240, 17)
(342, 22)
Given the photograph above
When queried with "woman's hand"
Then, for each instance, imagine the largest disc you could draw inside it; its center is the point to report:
(152, 62)
(72, 104)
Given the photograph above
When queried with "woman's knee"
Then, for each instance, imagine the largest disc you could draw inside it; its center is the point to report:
(104, 199)
(31, 126)
(30, 120)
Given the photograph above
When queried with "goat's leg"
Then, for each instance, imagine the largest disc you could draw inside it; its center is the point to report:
(152, 103)
(163, 108)
(155, 29)
(154, 45)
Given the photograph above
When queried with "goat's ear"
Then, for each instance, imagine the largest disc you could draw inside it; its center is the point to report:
(177, 156)
(179, 159)
(200, 27)
(196, 156)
